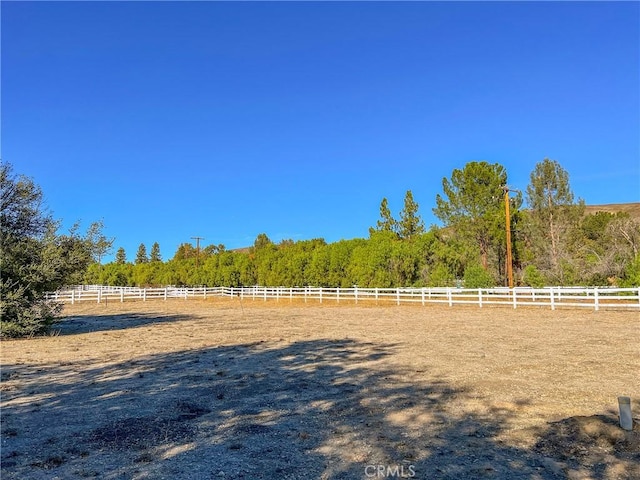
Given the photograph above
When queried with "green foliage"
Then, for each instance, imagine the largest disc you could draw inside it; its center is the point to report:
(121, 256)
(262, 241)
(155, 253)
(596, 249)
(440, 276)
(34, 259)
(475, 276)
(532, 277)
(386, 223)
(632, 273)
(185, 251)
(410, 223)
(554, 222)
(141, 255)
(472, 204)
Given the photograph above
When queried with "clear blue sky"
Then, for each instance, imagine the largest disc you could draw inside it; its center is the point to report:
(169, 120)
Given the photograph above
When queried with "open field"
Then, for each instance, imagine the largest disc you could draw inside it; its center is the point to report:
(226, 389)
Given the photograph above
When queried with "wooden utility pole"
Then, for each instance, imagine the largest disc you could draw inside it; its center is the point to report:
(509, 260)
(508, 229)
(197, 239)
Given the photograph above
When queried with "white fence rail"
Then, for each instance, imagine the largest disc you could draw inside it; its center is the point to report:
(553, 297)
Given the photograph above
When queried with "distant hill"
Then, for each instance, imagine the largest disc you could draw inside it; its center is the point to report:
(633, 209)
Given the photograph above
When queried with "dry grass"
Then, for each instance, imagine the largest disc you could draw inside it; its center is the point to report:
(201, 389)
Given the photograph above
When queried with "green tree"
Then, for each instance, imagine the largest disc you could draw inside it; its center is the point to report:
(475, 276)
(632, 277)
(472, 204)
(121, 256)
(554, 220)
(386, 223)
(98, 244)
(262, 241)
(410, 223)
(532, 277)
(185, 251)
(370, 264)
(34, 259)
(155, 253)
(141, 255)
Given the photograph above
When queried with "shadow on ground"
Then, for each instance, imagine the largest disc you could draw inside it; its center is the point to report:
(320, 409)
(76, 324)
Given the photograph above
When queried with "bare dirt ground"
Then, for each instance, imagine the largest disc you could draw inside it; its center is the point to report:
(224, 389)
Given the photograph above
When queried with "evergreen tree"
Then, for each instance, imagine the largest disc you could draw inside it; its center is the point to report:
(121, 256)
(262, 241)
(410, 223)
(141, 256)
(155, 253)
(386, 223)
(473, 204)
(554, 220)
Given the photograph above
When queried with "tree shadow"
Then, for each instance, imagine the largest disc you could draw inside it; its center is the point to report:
(77, 324)
(323, 409)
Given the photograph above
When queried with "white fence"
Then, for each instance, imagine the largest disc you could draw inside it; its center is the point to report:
(552, 297)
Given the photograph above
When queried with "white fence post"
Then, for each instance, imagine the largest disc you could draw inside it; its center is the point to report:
(553, 306)
(398, 296)
(422, 296)
(595, 298)
(515, 301)
(480, 297)
(73, 300)
(449, 296)
(144, 294)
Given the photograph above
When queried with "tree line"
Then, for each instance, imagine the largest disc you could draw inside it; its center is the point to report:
(553, 242)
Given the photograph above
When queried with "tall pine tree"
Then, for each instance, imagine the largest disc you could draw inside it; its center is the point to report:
(410, 223)
(141, 256)
(155, 253)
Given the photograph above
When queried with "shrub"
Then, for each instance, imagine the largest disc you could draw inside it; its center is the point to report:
(533, 277)
(475, 276)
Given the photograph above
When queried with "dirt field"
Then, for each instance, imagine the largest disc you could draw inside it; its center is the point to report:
(227, 390)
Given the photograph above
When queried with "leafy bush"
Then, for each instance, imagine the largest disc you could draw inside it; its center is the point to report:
(632, 273)
(475, 276)
(532, 277)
